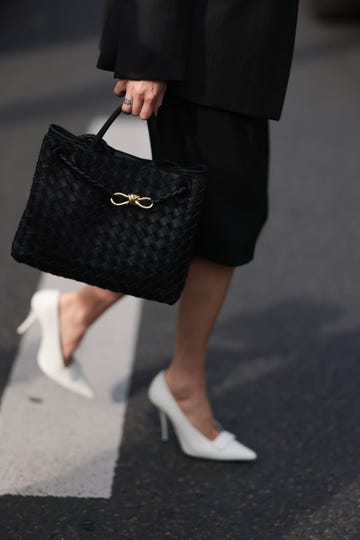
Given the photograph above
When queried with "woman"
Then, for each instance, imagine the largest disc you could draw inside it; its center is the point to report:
(206, 75)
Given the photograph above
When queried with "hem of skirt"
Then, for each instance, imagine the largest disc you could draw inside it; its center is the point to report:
(226, 262)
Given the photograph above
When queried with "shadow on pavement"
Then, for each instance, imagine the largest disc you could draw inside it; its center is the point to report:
(299, 416)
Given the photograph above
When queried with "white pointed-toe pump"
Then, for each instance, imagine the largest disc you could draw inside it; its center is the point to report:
(224, 447)
(45, 309)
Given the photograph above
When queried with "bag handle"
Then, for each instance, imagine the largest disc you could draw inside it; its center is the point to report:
(197, 168)
(108, 123)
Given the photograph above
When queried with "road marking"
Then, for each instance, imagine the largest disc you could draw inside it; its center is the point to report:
(53, 442)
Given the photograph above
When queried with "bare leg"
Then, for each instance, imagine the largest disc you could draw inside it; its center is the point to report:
(199, 305)
(78, 310)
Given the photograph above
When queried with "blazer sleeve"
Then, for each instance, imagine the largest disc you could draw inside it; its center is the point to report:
(146, 39)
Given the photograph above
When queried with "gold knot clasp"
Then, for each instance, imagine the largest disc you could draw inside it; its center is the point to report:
(133, 199)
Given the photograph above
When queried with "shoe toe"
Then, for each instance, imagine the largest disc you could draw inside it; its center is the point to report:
(84, 389)
(237, 450)
(230, 448)
(75, 380)
(70, 377)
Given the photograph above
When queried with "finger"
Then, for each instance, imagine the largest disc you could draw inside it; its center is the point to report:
(157, 106)
(147, 109)
(138, 102)
(127, 108)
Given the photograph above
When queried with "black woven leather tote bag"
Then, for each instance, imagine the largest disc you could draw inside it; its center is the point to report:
(107, 218)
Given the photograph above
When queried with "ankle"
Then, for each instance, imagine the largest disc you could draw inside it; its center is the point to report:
(186, 386)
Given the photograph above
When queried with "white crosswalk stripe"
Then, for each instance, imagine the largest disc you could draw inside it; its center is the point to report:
(53, 442)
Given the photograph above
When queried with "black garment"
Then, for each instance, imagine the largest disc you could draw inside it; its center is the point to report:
(233, 55)
(236, 150)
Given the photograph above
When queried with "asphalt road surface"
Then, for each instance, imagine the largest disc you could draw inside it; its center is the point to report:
(283, 368)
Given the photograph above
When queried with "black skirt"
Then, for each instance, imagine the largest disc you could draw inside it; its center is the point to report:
(236, 150)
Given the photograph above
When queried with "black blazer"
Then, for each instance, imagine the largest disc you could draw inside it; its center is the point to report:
(234, 55)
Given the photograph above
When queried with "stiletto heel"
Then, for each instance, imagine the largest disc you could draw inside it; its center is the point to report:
(163, 425)
(25, 325)
(45, 309)
(224, 447)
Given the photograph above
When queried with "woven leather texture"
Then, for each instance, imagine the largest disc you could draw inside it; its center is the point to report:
(70, 227)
